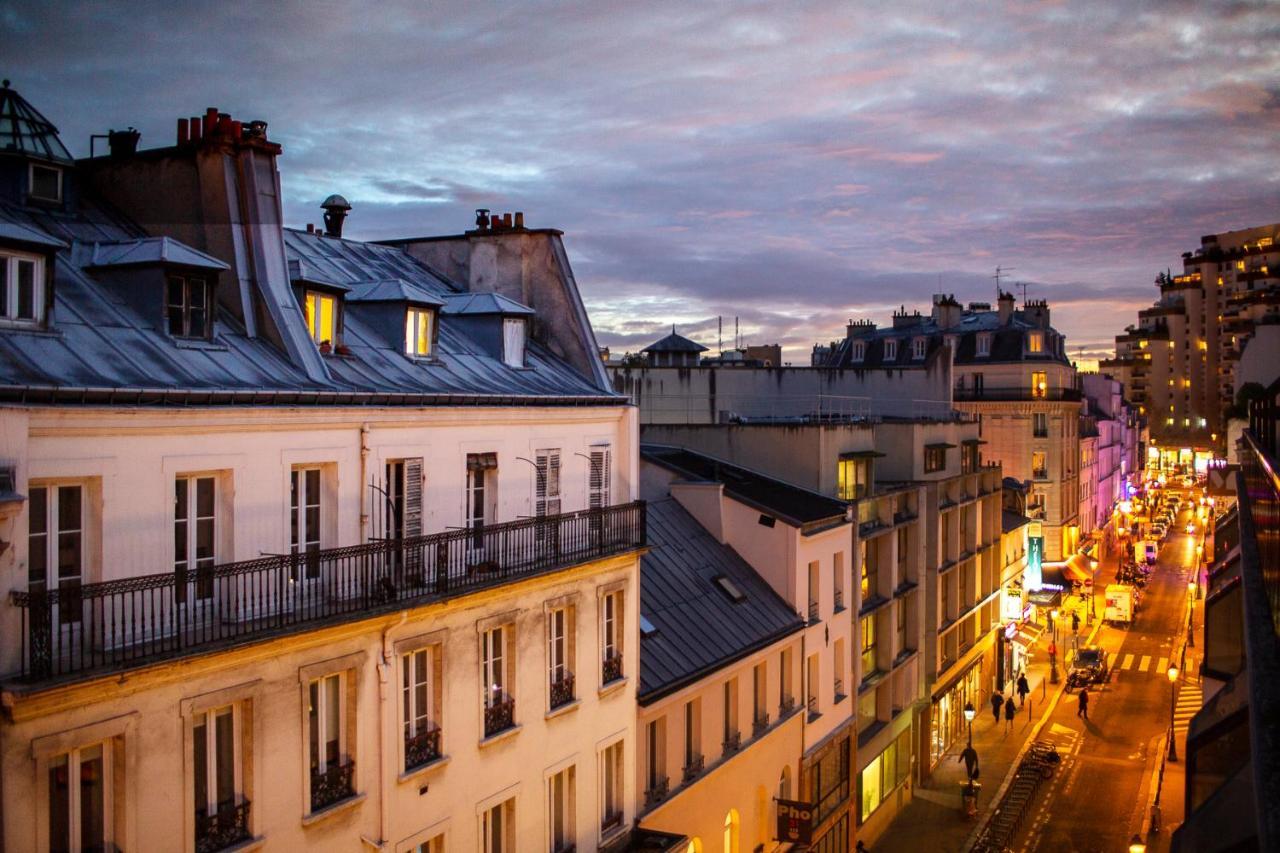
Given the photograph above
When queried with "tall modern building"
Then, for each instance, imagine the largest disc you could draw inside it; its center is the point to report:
(1178, 363)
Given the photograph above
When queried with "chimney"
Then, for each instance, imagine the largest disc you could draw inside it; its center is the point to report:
(1036, 311)
(519, 219)
(335, 213)
(1004, 305)
(946, 310)
(123, 143)
(858, 328)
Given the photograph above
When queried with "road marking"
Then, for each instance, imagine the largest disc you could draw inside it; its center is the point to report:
(1163, 666)
(1146, 662)
(1128, 662)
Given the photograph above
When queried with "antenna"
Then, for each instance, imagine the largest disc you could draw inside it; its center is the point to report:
(720, 333)
(1001, 272)
(736, 339)
(1023, 285)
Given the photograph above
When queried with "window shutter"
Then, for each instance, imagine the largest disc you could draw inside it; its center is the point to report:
(413, 497)
(553, 483)
(596, 478)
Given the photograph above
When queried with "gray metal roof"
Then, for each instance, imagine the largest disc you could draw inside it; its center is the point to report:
(18, 233)
(484, 303)
(24, 130)
(391, 290)
(150, 250)
(698, 627)
(675, 343)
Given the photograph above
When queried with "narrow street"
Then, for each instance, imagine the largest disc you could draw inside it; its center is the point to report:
(1097, 798)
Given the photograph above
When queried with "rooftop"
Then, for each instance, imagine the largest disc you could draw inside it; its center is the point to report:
(675, 343)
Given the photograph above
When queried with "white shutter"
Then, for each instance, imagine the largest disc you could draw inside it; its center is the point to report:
(553, 482)
(599, 477)
(412, 497)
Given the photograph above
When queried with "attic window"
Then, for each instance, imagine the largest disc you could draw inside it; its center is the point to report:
(1035, 342)
(730, 589)
(419, 332)
(45, 183)
(858, 351)
(187, 307)
(918, 347)
(646, 627)
(21, 288)
(513, 341)
(984, 344)
(891, 350)
(322, 317)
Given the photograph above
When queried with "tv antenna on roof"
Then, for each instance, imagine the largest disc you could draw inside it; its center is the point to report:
(1001, 272)
(1023, 285)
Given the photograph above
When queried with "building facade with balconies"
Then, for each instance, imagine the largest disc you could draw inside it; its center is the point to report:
(313, 545)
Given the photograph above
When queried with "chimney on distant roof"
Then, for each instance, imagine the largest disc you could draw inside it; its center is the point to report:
(1004, 306)
(335, 213)
(946, 310)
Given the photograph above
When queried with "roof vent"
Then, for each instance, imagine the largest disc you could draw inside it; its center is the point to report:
(335, 213)
(729, 588)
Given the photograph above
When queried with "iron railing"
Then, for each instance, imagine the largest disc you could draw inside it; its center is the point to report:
(760, 724)
(562, 690)
(421, 748)
(693, 767)
(134, 621)
(499, 715)
(226, 827)
(1052, 395)
(331, 785)
(657, 791)
(611, 668)
(732, 743)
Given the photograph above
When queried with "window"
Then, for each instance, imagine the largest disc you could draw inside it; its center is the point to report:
(853, 478)
(496, 668)
(918, 347)
(610, 637)
(1040, 425)
(218, 774)
(513, 341)
(811, 686)
(331, 770)
(760, 696)
(831, 780)
(870, 569)
(45, 183)
(870, 788)
(188, 307)
(984, 344)
(858, 351)
(55, 541)
(1035, 342)
(867, 629)
(731, 831)
(838, 670)
(655, 759)
(81, 803)
(561, 807)
(322, 317)
(402, 509)
(420, 706)
(732, 734)
(901, 628)
(1039, 465)
(935, 458)
(434, 844)
(1039, 384)
(559, 655)
(22, 280)
(837, 581)
(814, 584)
(599, 485)
(194, 537)
(419, 332)
(482, 493)
(546, 499)
(692, 738)
(891, 350)
(304, 520)
(969, 459)
(785, 694)
(498, 828)
(611, 787)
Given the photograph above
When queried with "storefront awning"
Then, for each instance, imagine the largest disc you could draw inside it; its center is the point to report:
(1026, 639)
(1045, 597)
(1078, 568)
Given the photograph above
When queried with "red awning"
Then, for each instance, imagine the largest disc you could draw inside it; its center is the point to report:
(1078, 568)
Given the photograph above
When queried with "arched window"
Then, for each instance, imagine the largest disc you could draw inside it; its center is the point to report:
(731, 831)
(695, 846)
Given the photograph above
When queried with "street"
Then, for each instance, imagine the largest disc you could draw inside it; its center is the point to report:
(1097, 799)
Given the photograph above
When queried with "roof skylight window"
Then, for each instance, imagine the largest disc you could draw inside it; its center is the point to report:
(730, 589)
(646, 627)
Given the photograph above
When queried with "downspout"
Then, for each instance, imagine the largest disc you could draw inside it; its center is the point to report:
(385, 664)
(364, 463)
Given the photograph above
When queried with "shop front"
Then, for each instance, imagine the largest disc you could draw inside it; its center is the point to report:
(947, 722)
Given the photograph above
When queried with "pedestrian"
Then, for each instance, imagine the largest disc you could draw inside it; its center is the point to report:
(996, 701)
(1075, 622)
(1010, 710)
(1049, 621)
(970, 758)
(1083, 699)
(861, 848)
(1023, 689)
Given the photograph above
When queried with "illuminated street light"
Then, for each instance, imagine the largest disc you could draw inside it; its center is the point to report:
(1192, 588)
(968, 718)
(1173, 687)
(1136, 845)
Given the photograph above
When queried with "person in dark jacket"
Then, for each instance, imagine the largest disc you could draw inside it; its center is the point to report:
(1083, 699)
(996, 701)
(1023, 689)
(1010, 710)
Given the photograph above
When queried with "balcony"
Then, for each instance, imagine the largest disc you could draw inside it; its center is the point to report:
(611, 668)
(331, 785)
(562, 690)
(693, 768)
(422, 748)
(135, 621)
(657, 791)
(1003, 395)
(760, 724)
(226, 827)
(786, 706)
(732, 743)
(499, 714)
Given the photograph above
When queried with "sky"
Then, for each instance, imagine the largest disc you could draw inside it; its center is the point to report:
(791, 164)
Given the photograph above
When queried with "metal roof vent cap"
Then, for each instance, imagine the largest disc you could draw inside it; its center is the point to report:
(335, 213)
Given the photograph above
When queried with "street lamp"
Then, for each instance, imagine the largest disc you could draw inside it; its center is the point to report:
(968, 718)
(1136, 845)
(1053, 647)
(1191, 611)
(1173, 687)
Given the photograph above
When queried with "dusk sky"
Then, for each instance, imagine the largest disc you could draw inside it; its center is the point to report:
(793, 164)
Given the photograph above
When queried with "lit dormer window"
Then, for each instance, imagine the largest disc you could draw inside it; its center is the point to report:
(188, 307)
(858, 351)
(419, 332)
(891, 350)
(1035, 342)
(918, 347)
(21, 288)
(44, 183)
(984, 344)
(322, 317)
(513, 341)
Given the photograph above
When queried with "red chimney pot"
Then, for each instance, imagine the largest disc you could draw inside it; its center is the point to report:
(182, 131)
(196, 127)
(506, 220)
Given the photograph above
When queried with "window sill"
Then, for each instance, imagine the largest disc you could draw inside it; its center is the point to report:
(336, 809)
(608, 836)
(840, 697)
(198, 344)
(246, 846)
(423, 770)
(839, 608)
(612, 687)
(28, 328)
(814, 716)
(505, 734)
(563, 709)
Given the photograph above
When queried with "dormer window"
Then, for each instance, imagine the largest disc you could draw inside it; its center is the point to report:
(984, 344)
(419, 332)
(858, 351)
(1035, 343)
(322, 317)
(513, 341)
(188, 307)
(891, 350)
(44, 183)
(918, 347)
(21, 288)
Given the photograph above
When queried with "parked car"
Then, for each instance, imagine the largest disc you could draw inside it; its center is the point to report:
(1090, 666)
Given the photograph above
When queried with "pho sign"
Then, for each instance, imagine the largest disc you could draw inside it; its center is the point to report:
(795, 821)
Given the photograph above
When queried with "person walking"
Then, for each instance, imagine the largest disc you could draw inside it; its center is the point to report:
(1010, 710)
(970, 758)
(1023, 689)
(1075, 622)
(996, 701)
(1083, 699)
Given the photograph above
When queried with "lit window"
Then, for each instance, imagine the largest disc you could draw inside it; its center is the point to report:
(1240, 265)
(22, 288)
(1039, 465)
(1039, 384)
(188, 307)
(1035, 342)
(419, 330)
(46, 183)
(322, 317)
(853, 476)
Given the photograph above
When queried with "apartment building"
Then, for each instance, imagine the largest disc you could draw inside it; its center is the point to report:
(801, 544)
(1179, 361)
(1011, 371)
(1119, 449)
(1090, 438)
(314, 545)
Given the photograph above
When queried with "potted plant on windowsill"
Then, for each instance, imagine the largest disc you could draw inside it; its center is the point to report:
(326, 347)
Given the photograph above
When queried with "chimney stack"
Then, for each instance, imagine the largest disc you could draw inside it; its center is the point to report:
(1004, 308)
(335, 213)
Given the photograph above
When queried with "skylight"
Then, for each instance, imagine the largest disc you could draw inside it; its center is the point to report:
(730, 589)
(646, 627)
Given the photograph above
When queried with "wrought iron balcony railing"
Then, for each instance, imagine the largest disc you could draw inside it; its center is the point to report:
(499, 715)
(732, 743)
(331, 785)
(978, 395)
(657, 791)
(226, 827)
(693, 767)
(759, 724)
(421, 748)
(611, 668)
(562, 690)
(786, 705)
(134, 621)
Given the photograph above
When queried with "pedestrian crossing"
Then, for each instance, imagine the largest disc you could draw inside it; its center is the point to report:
(1190, 698)
(1132, 662)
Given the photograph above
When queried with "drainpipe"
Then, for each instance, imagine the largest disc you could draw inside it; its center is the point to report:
(364, 463)
(385, 667)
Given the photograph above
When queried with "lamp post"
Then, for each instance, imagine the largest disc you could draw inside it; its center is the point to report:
(1173, 690)
(1053, 647)
(968, 718)
(1136, 845)
(1191, 612)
